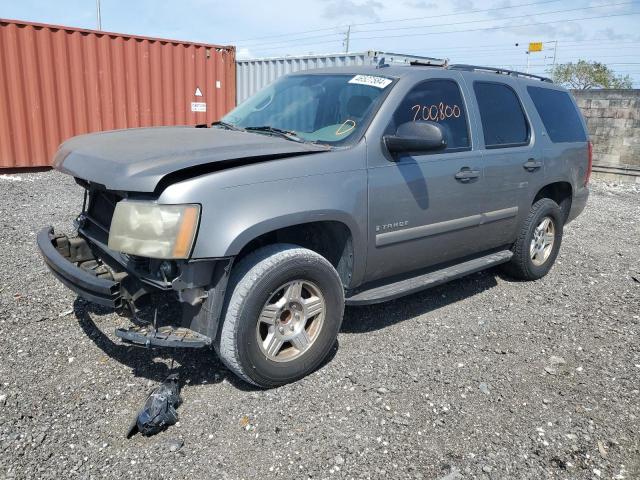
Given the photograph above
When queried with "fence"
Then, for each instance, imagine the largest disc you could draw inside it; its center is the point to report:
(613, 120)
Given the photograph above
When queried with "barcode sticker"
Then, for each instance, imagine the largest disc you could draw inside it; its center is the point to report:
(371, 80)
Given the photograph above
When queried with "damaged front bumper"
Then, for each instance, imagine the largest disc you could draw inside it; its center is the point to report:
(65, 260)
(108, 278)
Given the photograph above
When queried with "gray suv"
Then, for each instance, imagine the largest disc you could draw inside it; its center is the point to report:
(330, 187)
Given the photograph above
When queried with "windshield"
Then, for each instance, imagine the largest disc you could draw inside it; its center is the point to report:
(330, 109)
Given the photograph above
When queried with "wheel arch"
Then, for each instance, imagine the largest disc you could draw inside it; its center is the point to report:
(332, 236)
(560, 192)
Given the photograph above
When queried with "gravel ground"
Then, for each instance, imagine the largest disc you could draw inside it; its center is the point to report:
(481, 378)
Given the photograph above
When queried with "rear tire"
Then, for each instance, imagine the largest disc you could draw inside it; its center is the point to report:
(282, 315)
(538, 242)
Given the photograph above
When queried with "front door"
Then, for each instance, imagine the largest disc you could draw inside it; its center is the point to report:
(425, 209)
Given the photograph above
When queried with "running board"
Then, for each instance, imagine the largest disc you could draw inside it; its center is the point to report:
(411, 285)
(163, 337)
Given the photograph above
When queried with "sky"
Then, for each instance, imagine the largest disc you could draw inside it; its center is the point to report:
(484, 32)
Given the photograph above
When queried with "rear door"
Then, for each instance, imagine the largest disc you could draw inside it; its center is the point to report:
(425, 208)
(512, 157)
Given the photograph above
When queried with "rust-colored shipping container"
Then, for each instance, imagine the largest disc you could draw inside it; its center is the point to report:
(57, 82)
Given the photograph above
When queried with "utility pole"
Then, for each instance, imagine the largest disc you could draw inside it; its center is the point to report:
(99, 17)
(555, 51)
(346, 39)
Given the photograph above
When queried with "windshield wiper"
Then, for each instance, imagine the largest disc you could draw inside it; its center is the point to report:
(228, 126)
(277, 131)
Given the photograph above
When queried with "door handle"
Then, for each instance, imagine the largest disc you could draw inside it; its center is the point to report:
(532, 164)
(465, 174)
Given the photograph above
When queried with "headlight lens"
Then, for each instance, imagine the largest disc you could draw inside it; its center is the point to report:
(151, 230)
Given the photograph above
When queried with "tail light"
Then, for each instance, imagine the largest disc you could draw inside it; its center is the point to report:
(589, 164)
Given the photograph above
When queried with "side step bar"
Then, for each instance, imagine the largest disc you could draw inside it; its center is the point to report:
(163, 337)
(411, 285)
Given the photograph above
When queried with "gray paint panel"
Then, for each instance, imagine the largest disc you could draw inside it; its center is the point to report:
(389, 238)
(136, 160)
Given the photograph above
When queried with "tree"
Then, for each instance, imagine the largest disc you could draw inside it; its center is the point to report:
(584, 75)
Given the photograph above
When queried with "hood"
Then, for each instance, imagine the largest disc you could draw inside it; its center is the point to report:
(136, 160)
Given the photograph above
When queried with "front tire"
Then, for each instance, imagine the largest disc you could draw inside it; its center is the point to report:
(538, 242)
(282, 315)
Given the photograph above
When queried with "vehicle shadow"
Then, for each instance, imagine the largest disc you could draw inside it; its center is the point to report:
(194, 366)
(375, 317)
(202, 366)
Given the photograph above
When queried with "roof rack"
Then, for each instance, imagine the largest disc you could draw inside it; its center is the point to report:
(430, 62)
(501, 71)
(386, 59)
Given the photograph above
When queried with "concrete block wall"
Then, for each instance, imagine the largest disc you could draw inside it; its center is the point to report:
(613, 120)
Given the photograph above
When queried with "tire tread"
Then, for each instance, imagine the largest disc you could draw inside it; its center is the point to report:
(519, 266)
(245, 274)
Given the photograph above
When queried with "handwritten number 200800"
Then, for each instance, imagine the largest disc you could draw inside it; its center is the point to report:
(435, 113)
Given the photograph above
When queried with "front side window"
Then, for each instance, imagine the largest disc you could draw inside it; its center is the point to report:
(329, 109)
(558, 114)
(438, 101)
(503, 121)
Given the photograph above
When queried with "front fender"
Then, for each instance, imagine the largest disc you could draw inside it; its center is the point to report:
(289, 220)
(241, 204)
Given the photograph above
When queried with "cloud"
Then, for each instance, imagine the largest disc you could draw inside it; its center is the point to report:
(610, 7)
(242, 53)
(535, 32)
(502, 4)
(420, 4)
(610, 33)
(349, 8)
(462, 5)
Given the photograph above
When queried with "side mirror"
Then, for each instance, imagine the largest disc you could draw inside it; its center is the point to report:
(416, 137)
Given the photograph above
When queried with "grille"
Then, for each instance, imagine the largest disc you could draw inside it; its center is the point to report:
(102, 204)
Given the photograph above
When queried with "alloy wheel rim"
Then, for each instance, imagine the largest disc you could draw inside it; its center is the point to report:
(290, 321)
(544, 237)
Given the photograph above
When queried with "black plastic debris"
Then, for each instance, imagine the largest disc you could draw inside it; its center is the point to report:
(159, 411)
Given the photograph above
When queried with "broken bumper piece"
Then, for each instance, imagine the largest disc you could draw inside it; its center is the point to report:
(85, 265)
(59, 254)
(163, 337)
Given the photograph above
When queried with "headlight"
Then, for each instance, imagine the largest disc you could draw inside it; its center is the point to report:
(151, 230)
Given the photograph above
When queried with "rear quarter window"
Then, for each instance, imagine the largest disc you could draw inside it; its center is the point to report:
(559, 115)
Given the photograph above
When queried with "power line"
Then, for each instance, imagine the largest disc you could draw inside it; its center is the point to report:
(461, 31)
(499, 27)
(538, 65)
(519, 54)
(503, 47)
(513, 51)
(466, 22)
(502, 18)
(469, 12)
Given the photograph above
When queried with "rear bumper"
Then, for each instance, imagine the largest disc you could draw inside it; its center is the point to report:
(97, 290)
(578, 203)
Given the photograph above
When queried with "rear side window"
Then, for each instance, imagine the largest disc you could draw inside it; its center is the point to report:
(558, 114)
(437, 101)
(503, 121)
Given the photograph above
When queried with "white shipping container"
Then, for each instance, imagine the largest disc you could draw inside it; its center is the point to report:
(254, 74)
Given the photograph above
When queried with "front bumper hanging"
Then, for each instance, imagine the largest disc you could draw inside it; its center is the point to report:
(56, 251)
(74, 263)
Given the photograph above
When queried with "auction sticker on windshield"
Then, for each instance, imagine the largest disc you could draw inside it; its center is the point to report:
(371, 80)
